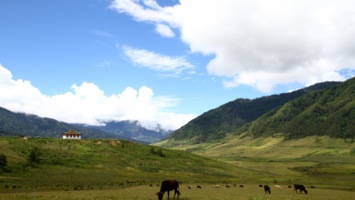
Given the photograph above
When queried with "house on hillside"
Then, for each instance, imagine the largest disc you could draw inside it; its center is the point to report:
(72, 134)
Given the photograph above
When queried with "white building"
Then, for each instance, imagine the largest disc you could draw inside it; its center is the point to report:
(72, 134)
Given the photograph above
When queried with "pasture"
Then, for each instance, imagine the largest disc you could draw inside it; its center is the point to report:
(115, 169)
(145, 192)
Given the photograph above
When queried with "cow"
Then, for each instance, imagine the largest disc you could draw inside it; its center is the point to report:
(267, 189)
(300, 187)
(167, 186)
(198, 187)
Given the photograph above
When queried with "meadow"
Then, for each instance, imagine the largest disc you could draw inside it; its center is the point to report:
(118, 169)
(145, 192)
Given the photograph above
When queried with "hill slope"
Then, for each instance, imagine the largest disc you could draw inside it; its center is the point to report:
(216, 123)
(327, 112)
(17, 124)
(94, 163)
(133, 130)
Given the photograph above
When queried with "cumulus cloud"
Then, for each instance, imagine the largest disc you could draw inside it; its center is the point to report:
(88, 104)
(166, 64)
(261, 43)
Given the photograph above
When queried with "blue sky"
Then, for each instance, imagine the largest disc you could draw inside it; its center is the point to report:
(165, 62)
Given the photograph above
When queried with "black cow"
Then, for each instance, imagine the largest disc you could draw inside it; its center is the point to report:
(267, 189)
(300, 187)
(167, 186)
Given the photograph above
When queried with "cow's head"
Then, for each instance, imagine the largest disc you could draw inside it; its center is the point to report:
(160, 195)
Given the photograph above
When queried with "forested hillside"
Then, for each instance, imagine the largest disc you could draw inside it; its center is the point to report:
(17, 124)
(216, 123)
(133, 130)
(327, 112)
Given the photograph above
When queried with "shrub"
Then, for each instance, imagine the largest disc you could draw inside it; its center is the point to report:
(3, 162)
(34, 156)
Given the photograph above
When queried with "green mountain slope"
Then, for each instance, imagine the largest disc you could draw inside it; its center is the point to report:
(328, 112)
(21, 124)
(216, 123)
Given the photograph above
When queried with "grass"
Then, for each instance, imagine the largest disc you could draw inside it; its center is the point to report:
(145, 192)
(311, 160)
(116, 169)
(68, 164)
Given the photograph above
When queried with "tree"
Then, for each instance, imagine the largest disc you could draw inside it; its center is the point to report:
(34, 156)
(3, 162)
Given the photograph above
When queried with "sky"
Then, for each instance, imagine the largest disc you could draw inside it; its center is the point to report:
(165, 62)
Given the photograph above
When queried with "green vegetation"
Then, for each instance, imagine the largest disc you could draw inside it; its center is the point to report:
(328, 112)
(42, 163)
(43, 168)
(3, 162)
(21, 124)
(216, 123)
(249, 192)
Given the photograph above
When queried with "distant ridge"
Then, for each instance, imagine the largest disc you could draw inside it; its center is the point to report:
(328, 112)
(21, 124)
(133, 130)
(216, 123)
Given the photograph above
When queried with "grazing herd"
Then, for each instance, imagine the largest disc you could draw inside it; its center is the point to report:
(169, 185)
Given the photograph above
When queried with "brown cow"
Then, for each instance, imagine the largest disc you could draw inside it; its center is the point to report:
(167, 186)
(300, 187)
(267, 189)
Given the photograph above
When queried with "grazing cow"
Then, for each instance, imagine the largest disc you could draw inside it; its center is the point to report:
(188, 187)
(199, 187)
(289, 186)
(277, 186)
(267, 189)
(260, 185)
(216, 186)
(227, 186)
(167, 186)
(300, 187)
(241, 186)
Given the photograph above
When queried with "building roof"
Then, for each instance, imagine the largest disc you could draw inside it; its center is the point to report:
(72, 132)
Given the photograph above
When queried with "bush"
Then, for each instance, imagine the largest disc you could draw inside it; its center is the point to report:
(34, 156)
(3, 162)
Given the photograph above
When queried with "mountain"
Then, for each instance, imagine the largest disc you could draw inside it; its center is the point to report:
(12, 123)
(133, 130)
(328, 112)
(216, 123)
(21, 124)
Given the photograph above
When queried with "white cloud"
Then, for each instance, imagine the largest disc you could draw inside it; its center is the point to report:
(166, 64)
(260, 43)
(165, 30)
(88, 104)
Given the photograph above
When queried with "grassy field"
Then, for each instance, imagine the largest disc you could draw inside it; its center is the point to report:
(98, 164)
(311, 160)
(116, 169)
(145, 192)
